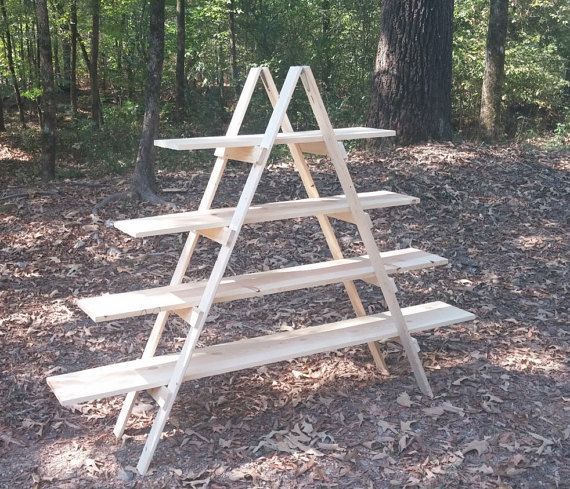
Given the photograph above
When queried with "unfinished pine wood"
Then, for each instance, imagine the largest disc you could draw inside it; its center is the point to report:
(173, 297)
(189, 144)
(274, 211)
(249, 154)
(193, 301)
(302, 167)
(200, 314)
(362, 223)
(136, 375)
(193, 237)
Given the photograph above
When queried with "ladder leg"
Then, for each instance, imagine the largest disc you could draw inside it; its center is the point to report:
(363, 225)
(192, 240)
(200, 314)
(156, 333)
(324, 222)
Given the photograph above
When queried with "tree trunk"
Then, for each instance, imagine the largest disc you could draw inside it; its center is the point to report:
(325, 51)
(96, 113)
(412, 79)
(66, 54)
(490, 118)
(233, 46)
(47, 99)
(55, 57)
(73, 56)
(180, 54)
(2, 125)
(84, 53)
(9, 55)
(144, 182)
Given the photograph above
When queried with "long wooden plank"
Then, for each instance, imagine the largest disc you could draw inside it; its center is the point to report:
(153, 372)
(183, 296)
(211, 142)
(274, 211)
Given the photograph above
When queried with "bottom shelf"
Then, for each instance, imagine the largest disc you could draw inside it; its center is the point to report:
(145, 374)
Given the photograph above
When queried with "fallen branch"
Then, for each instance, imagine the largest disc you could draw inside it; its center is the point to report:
(29, 194)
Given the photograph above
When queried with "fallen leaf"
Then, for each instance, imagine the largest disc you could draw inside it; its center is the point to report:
(481, 446)
(404, 400)
(434, 411)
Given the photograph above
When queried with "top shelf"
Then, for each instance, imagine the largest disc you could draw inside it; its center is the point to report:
(246, 140)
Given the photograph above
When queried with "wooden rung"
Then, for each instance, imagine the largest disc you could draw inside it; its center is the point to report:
(216, 218)
(249, 154)
(144, 374)
(184, 296)
(299, 137)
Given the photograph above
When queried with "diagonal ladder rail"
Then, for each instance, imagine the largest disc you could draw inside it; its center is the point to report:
(192, 240)
(363, 223)
(324, 222)
(199, 315)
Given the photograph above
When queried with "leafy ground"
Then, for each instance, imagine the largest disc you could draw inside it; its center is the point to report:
(501, 414)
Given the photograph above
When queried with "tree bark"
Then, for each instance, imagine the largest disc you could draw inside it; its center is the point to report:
(11, 67)
(233, 45)
(412, 79)
(73, 56)
(47, 99)
(2, 125)
(492, 91)
(326, 58)
(180, 55)
(55, 56)
(144, 181)
(96, 113)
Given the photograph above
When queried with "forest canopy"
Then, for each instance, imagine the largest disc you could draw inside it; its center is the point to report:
(223, 38)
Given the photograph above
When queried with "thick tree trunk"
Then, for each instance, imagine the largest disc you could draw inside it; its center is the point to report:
(47, 99)
(144, 182)
(11, 67)
(490, 118)
(96, 113)
(73, 56)
(180, 54)
(412, 80)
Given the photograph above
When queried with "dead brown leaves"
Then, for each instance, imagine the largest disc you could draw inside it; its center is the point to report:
(501, 414)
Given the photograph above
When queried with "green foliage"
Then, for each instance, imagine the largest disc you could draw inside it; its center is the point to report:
(32, 94)
(537, 54)
(337, 38)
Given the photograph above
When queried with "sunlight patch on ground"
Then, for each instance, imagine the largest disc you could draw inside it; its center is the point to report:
(529, 242)
(525, 360)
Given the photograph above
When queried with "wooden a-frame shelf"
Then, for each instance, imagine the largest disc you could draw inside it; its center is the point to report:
(162, 376)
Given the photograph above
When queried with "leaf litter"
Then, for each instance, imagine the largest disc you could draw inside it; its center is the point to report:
(500, 415)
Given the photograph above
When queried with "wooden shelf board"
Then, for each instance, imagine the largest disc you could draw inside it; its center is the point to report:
(111, 380)
(274, 211)
(282, 138)
(183, 296)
